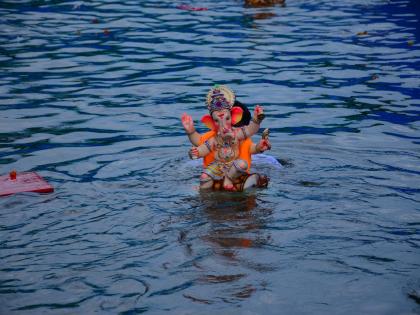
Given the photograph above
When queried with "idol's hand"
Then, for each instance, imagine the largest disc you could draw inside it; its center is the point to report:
(263, 145)
(188, 123)
(258, 114)
(194, 153)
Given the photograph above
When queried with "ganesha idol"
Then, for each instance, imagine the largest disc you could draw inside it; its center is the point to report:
(226, 149)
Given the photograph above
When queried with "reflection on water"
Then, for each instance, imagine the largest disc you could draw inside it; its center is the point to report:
(90, 97)
(234, 224)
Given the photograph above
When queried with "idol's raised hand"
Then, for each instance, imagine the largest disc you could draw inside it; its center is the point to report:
(188, 123)
(259, 113)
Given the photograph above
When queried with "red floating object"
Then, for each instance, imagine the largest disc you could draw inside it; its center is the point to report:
(23, 182)
(190, 8)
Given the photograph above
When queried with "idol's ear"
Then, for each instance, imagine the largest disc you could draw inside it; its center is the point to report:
(209, 122)
(236, 114)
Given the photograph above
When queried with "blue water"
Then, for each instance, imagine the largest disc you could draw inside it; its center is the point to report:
(90, 97)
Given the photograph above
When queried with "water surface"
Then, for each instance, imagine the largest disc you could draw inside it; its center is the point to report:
(90, 96)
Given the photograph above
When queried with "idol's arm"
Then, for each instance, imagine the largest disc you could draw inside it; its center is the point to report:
(254, 125)
(260, 147)
(202, 150)
(254, 149)
(192, 134)
(194, 138)
(263, 145)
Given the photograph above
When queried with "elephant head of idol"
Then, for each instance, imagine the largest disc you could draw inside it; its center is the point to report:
(223, 115)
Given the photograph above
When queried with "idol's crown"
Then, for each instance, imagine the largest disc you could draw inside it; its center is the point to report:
(220, 97)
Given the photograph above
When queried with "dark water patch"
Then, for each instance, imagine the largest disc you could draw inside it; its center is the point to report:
(137, 310)
(196, 299)
(375, 258)
(309, 184)
(172, 290)
(415, 296)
